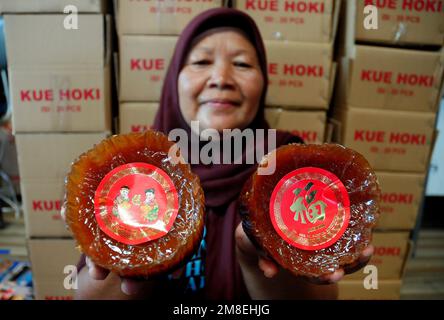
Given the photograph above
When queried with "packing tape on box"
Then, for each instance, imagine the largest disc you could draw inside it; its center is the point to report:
(2, 45)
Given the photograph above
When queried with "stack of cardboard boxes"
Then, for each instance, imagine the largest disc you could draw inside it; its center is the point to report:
(58, 67)
(148, 32)
(299, 39)
(388, 92)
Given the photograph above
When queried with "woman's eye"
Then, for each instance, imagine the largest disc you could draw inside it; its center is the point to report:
(242, 64)
(201, 62)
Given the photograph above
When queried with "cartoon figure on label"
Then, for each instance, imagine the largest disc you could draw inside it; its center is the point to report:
(150, 208)
(122, 201)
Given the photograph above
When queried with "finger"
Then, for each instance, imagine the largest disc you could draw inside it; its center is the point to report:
(249, 252)
(333, 277)
(63, 212)
(94, 271)
(367, 253)
(269, 268)
(132, 287)
(363, 260)
(243, 243)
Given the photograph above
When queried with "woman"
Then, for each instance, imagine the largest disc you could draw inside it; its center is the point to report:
(217, 76)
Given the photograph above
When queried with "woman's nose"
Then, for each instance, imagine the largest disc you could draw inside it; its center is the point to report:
(221, 77)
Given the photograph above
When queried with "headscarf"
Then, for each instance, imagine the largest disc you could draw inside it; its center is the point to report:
(222, 183)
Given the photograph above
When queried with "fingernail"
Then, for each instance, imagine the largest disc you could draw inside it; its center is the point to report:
(125, 289)
(91, 272)
(336, 276)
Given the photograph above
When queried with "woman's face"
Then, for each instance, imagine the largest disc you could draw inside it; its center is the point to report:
(221, 82)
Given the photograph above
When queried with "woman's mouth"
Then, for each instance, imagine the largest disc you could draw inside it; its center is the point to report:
(221, 103)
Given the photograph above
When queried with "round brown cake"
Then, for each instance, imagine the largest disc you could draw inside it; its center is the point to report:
(315, 213)
(133, 209)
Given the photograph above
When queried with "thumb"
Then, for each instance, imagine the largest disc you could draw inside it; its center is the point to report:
(244, 244)
(247, 253)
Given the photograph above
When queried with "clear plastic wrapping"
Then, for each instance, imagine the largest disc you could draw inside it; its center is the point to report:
(320, 238)
(131, 209)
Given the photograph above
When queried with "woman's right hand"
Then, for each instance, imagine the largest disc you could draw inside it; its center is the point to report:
(128, 286)
(96, 282)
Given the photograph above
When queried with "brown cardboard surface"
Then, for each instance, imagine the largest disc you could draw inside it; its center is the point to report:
(26, 6)
(168, 17)
(401, 196)
(144, 61)
(48, 156)
(309, 125)
(390, 140)
(272, 116)
(136, 117)
(391, 249)
(309, 21)
(42, 203)
(397, 79)
(40, 41)
(48, 260)
(403, 22)
(59, 79)
(44, 161)
(60, 99)
(355, 290)
(300, 74)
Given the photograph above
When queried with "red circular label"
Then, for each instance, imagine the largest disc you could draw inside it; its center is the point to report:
(310, 208)
(136, 203)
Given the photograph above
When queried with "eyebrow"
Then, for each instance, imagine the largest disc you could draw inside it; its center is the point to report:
(235, 53)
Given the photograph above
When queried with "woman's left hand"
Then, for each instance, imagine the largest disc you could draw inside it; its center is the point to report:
(257, 269)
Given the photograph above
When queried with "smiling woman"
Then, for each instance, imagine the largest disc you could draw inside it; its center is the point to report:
(218, 78)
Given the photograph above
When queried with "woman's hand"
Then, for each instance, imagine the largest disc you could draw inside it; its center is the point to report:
(258, 269)
(128, 286)
(95, 282)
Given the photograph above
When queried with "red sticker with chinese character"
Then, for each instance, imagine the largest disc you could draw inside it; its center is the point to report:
(310, 208)
(136, 203)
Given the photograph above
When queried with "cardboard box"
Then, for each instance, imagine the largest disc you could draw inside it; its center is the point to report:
(137, 117)
(58, 78)
(144, 61)
(41, 40)
(272, 116)
(355, 290)
(42, 203)
(49, 257)
(300, 74)
(402, 194)
(405, 146)
(402, 22)
(391, 252)
(167, 17)
(48, 156)
(309, 125)
(60, 100)
(44, 161)
(397, 79)
(57, 6)
(308, 21)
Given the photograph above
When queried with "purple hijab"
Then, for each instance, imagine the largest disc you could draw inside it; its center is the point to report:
(222, 183)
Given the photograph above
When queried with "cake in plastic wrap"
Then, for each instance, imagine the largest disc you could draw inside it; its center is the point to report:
(131, 208)
(315, 213)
